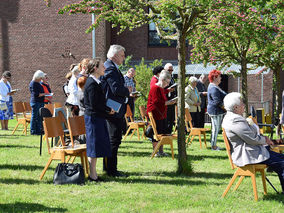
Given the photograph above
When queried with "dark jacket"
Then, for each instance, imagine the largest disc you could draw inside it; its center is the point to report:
(36, 89)
(113, 86)
(94, 99)
(215, 96)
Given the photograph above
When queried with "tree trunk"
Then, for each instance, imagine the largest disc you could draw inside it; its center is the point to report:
(278, 93)
(184, 166)
(244, 85)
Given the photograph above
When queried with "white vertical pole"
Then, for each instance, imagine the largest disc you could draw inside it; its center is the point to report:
(93, 38)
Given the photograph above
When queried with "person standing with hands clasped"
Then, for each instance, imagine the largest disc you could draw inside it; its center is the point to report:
(113, 85)
(97, 136)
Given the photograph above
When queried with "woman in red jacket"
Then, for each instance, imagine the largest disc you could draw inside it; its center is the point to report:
(157, 104)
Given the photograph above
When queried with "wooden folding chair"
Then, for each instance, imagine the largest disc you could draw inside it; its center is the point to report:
(143, 114)
(162, 139)
(53, 128)
(57, 105)
(28, 110)
(20, 117)
(193, 131)
(247, 170)
(134, 125)
(50, 107)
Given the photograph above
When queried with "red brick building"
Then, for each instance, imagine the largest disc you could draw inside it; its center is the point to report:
(34, 37)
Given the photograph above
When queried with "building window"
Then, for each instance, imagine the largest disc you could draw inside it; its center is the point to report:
(155, 41)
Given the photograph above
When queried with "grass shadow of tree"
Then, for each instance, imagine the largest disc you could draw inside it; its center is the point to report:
(23, 167)
(19, 181)
(28, 207)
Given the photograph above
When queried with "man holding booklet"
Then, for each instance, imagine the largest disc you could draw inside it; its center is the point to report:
(117, 94)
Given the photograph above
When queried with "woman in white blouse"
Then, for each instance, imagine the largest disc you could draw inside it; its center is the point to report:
(6, 100)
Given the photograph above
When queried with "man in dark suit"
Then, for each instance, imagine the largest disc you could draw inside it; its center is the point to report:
(113, 85)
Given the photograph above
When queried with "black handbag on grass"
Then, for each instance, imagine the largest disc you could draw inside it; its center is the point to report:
(68, 173)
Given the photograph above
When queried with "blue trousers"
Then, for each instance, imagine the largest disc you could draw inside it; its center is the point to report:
(276, 163)
(36, 121)
(216, 121)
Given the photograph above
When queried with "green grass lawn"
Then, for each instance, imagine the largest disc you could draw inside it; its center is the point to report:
(152, 185)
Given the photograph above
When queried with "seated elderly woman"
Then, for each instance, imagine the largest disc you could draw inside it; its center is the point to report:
(247, 145)
(192, 100)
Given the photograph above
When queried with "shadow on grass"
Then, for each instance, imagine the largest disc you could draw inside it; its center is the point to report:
(135, 154)
(274, 197)
(17, 146)
(130, 142)
(175, 179)
(23, 167)
(28, 207)
(18, 181)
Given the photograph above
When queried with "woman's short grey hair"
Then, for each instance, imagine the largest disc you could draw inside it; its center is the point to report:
(192, 79)
(231, 100)
(164, 75)
(113, 50)
(6, 74)
(38, 75)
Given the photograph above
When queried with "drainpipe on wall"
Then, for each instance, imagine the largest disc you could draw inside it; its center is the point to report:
(93, 38)
(261, 87)
(238, 84)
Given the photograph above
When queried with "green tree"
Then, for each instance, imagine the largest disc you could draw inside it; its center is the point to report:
(174, 19)
(230, 36)
(270, 47)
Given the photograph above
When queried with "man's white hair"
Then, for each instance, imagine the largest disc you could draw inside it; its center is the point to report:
(113, 50)
(231, 100)
(167, 66)
(38, 75)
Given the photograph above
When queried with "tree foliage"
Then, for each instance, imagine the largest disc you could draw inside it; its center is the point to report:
(237, 33)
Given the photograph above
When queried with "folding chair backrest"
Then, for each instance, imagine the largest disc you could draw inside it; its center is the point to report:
(50, 107)
(143, 113)
(52, 128)
(18, 107)
(128, 114)
(27, 107)
(59, 112)
(153, 124)
(188, 117)
(76, 126)
(44, 112)
(228, 148)
(57, 105)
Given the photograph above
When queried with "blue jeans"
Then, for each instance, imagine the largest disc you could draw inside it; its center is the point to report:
(276, 163)
(216, 121)
(36, 121)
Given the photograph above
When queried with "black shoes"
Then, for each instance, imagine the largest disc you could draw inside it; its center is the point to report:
(117, 174)
(95, 180)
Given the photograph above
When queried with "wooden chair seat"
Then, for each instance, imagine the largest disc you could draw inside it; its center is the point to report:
(243, 171)
(193, 131)
(53, 128)
(134, 125)
(163, 139)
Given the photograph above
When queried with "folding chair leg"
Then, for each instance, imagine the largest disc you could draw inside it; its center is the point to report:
(83, 164)
(126, 134)
(15, 128)
(239, 183)
(138, 134)
(172, 149)
(46, 166)
(132, 133)
(199, 136)
(263, 182)
(204, 136)
(86, 163)
(230, 183)
(156, 149)
(254, 187)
